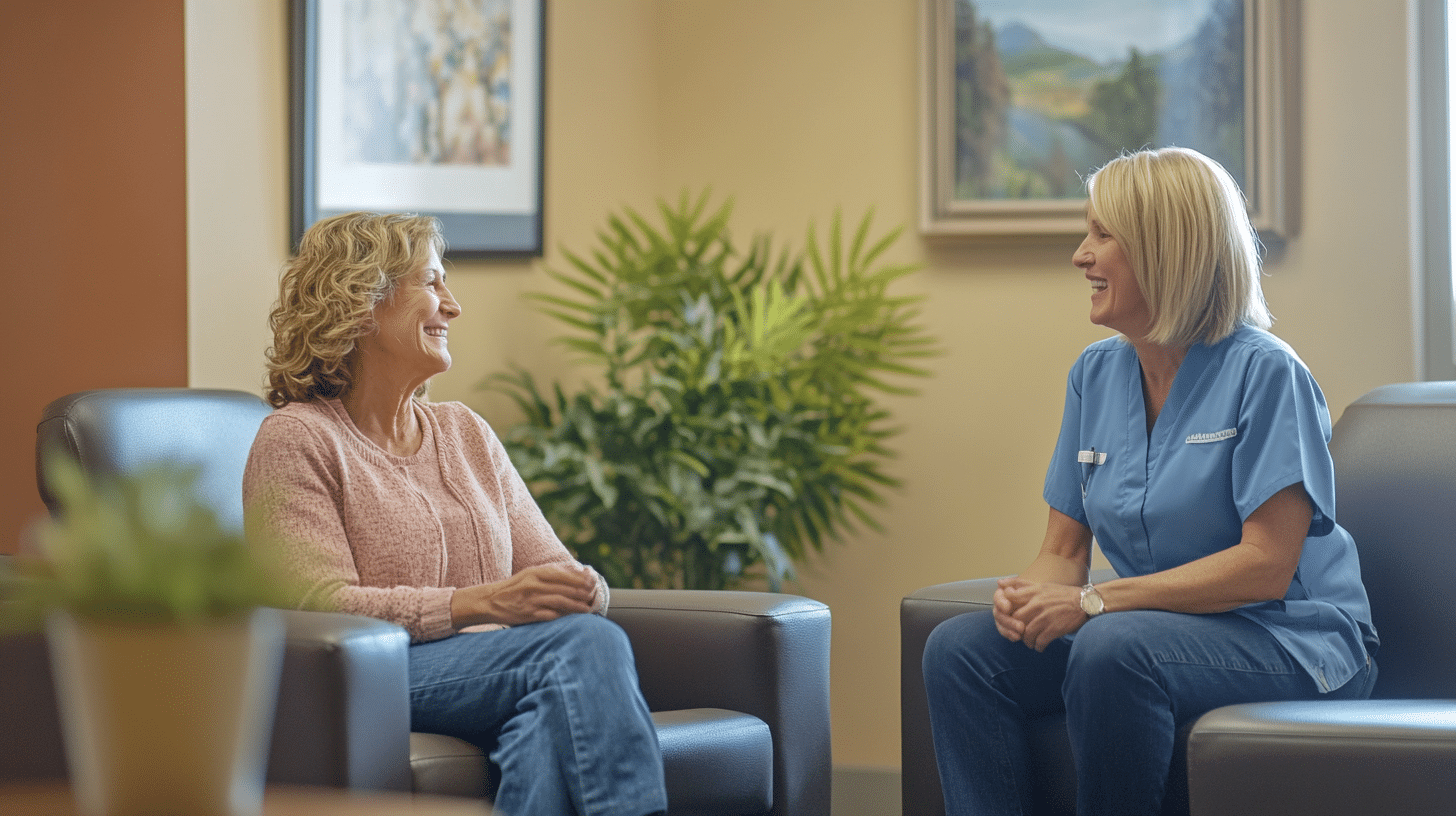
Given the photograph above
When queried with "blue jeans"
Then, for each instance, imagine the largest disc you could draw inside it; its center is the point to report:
(559, 701)
(1126, 681)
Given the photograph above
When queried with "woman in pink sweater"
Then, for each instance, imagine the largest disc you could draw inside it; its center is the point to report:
(407, 510)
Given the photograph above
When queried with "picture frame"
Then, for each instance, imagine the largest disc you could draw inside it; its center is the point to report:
(979, 185)
(433, 109)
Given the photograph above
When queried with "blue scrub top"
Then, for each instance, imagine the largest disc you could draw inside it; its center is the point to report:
(1244, 420)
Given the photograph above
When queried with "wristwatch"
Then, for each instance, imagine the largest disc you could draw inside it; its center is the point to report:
(1091, 601)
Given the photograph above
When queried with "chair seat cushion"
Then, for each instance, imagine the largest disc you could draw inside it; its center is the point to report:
(446, 766)
(717, 762)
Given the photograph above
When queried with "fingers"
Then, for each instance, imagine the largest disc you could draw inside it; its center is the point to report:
(1004, 614)
(545, 592)
(1036, 614)
(1010, 628)
(568, 578)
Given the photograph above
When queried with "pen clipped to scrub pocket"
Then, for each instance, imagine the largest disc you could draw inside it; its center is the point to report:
(1089, 459)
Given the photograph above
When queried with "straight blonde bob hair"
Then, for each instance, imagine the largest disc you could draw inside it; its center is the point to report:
(1184, 227)
(345, 266)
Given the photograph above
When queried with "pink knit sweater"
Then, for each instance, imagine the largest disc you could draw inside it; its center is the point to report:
(392, 536)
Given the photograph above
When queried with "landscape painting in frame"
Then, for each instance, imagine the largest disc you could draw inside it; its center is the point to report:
(423, 106)
(1026, 97)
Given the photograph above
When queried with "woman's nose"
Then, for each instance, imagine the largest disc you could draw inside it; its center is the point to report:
(449, 305)
(1082, 257)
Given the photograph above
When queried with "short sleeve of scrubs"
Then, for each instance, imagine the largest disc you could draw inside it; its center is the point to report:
(1063, 489)
(1284, 431)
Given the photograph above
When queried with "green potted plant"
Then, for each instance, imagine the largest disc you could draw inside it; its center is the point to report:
(165, 657)
(737, 421)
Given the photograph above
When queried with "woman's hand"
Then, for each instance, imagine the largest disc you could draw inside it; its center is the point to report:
(1044, 601)
(1036, 613)
(541, 593)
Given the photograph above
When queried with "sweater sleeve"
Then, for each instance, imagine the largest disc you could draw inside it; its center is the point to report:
(293, 495)
(533, 541)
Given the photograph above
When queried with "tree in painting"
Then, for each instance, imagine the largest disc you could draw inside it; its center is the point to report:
(1124, 111)
(1033, 116)
(982, 98)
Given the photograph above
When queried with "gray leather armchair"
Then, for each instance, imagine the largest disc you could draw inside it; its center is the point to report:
(1395, 471)
(738, 682)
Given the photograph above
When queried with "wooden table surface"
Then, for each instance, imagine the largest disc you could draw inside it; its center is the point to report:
(54, 799)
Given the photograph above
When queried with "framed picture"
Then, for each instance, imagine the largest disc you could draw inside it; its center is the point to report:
(424, 106)
(1022, 100)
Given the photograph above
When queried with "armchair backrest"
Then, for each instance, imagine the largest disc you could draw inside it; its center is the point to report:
(1395, 473)
(121, 429)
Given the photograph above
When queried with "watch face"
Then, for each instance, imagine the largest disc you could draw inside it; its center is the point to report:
(1091, 601)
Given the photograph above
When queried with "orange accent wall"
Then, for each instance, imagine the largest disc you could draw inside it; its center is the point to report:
(93, 230)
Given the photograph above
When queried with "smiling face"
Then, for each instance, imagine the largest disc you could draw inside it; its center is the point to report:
(1117, 299)
(410, 340)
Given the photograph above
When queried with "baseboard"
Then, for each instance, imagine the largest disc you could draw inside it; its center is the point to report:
(864, 791)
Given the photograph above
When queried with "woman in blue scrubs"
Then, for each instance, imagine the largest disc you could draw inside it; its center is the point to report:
(1194, 452)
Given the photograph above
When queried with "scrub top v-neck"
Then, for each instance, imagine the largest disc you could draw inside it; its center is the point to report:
(1243, 420)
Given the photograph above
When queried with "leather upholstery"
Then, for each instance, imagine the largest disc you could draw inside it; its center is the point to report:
(117, 431)
(1395, 466)
(1326, 758)
(343, 704)
(759, 653)
(28, 707)
(740, 760)
(738, 681)
(447, 766)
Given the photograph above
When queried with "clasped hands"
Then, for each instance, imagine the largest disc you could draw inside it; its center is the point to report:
(540, 593)
(1036, 613)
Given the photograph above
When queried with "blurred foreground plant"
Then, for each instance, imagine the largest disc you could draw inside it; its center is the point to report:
(139, 548)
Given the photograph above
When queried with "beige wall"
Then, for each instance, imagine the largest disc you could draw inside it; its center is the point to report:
(796, 107)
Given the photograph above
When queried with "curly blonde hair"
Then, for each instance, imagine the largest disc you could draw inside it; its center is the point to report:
(345, 265)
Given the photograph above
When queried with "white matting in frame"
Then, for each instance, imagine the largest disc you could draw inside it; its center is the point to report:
(423, 106)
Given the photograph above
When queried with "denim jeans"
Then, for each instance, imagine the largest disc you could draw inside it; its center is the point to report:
(559, 701)
(1126, 681)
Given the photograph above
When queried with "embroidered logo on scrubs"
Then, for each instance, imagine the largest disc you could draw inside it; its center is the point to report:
(1216, 436)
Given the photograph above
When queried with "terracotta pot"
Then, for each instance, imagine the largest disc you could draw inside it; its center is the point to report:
(164, 719)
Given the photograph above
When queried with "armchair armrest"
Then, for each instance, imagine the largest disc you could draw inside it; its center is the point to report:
(343, 704)
(29, 717)
(759, 653)
(342, 718)
(1337, 757)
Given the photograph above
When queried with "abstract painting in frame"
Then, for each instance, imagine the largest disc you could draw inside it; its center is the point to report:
(1023, 98)
(424, 106)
